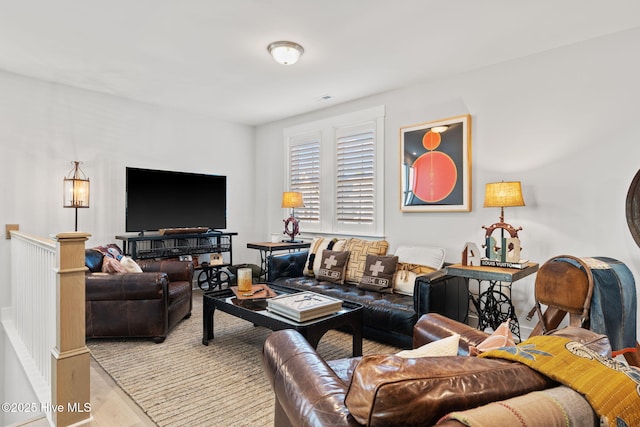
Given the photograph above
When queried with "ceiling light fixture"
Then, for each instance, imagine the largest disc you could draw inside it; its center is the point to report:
(285, 52)
(439, 129)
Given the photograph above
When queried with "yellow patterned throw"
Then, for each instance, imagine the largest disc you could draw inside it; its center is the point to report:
(611, 387)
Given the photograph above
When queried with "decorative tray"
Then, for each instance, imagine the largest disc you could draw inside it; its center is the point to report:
(258, 291)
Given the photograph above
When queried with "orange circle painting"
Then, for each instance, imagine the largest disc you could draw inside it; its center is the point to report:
(431, 140)
(435, 176)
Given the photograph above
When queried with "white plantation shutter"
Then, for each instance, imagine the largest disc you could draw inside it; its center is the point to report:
(355, 174)
(304, 176)
(337, 164)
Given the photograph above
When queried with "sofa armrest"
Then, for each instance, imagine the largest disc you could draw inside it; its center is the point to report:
(286, 265)
(126, 286)
(306, 388)
(433, 326)
(438, 292)
(175, 269)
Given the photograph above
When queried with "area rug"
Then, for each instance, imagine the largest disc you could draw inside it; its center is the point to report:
(182, 382)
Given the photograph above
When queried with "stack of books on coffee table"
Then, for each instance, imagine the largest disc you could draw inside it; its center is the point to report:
(303, 306)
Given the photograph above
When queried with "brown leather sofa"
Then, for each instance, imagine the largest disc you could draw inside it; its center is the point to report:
(310, 391)
(147, 304)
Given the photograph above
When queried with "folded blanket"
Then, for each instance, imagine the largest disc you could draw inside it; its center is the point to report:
(613, 304)
(558, 406)
(611, 387)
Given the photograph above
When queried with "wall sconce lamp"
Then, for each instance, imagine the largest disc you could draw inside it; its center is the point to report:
(502, 195)
(285, 52)
(75, 190)
(293, 200)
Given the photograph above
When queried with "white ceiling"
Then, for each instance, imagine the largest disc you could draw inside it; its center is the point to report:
(209, 56)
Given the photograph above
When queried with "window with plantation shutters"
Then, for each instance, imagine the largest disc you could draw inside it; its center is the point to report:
(337, 164)
(304, 176)
(355, 174)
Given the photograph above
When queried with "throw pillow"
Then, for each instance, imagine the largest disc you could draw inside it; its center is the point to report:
(333, 265)
(406, 273)
(502, 337)
(109, 249)
(359, 249)
(112, 265)
(130, 265)
(318, 245)
(444, 347)
(422, 255)
(378, 273)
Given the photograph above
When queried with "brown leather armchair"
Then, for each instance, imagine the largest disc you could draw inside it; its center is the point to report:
(310, 391)
(147, 304)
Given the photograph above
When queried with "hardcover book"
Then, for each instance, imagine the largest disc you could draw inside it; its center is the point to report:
(486, 262)
(303, 306)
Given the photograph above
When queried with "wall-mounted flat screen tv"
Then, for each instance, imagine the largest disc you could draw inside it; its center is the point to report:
(160, 199)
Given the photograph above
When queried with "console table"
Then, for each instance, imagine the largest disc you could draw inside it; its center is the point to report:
(267, 248)
(493, 306)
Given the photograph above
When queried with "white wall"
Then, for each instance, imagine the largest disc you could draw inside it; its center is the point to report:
(563, 122)
(44, 127)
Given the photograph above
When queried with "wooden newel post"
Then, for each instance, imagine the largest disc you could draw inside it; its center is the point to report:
(70, 395)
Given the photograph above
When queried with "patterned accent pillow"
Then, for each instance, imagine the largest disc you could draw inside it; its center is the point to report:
(319, 244)
(359, 249)
(111, 249)
(112, 265)
(378, 273)
(333, 265)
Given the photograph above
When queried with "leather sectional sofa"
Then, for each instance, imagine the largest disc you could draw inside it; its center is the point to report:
(387, 317)
(146, 304)
(384, 391)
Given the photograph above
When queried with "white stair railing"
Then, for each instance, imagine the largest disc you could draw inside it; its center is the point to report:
(32, 313)
(45, 322)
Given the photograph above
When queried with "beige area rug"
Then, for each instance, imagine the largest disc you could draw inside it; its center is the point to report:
(182, 382)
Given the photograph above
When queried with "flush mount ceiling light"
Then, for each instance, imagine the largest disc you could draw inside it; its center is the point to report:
(439, 129)
(285, 53)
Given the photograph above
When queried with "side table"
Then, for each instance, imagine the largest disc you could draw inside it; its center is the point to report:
(267, 248)
(493, 305)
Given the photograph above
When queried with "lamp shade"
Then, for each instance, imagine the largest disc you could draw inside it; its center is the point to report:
(292, 199)
(76, 188)
(503, 194)
(285, 52)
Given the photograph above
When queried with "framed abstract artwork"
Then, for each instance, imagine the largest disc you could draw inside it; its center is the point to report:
(435, 166)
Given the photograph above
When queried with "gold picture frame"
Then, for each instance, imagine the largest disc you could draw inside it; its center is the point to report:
(435, 166)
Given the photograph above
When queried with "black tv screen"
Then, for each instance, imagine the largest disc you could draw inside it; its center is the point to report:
(158, 199)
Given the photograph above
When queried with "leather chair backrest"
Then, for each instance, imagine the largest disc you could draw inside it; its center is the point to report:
(565, 286)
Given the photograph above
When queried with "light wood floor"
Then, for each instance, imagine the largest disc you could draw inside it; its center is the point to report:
(110, 406)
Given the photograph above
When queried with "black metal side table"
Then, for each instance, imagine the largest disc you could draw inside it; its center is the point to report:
(212, 276)
(267, 248)
(493, 306)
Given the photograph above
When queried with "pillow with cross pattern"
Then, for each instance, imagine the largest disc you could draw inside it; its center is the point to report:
(333, 266)
(378, 273)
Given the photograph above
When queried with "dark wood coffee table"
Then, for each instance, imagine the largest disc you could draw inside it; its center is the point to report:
(255, 311)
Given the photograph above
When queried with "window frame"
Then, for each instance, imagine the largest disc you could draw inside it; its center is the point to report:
(328, 130)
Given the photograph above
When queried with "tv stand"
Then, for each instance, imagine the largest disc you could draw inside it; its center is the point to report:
(146, 245)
